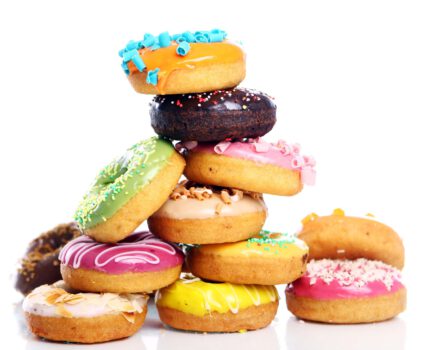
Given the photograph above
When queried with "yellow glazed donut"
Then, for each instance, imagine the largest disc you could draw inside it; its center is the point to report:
(266, 259)
(250, 165)
(195, 305)
(347, 291)
(129, 190)
(56, 313)
(344, 237)
(183, 63)
(196, 214)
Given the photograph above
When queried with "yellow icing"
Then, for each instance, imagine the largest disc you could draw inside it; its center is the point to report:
(194, 296)
(266, 244)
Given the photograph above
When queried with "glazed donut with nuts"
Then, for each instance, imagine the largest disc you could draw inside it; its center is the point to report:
(198, 214)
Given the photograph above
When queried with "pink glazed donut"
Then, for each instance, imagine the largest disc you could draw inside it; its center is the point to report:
(250, 165)
(139, 263)
(347, 291)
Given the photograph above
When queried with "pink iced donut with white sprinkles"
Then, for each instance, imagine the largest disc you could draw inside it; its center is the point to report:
(141, 262)
(347, 291)
(245, 164)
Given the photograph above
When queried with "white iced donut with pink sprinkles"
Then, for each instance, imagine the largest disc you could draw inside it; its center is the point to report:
(347, 291)
(251, 165)
(141, 262)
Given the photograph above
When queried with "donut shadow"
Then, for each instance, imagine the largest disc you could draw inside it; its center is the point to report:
(265, 338)
(388, 335)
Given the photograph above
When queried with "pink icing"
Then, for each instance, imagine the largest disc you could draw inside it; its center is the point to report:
(140, 252)
(342, 279)
(281, 154)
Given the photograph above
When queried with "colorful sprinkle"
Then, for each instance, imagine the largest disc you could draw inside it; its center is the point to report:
(152, 76)
(183, 48)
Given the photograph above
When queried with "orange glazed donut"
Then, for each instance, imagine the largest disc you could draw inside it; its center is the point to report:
(196, 214)
(266, 259)
(344, 237)
(55, 312)
(183, 63)
(346, 291)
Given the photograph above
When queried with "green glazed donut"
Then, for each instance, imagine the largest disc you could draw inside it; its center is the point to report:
(122, 179)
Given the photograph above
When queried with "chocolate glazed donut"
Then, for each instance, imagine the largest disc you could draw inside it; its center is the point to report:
(213, 116)
(40, 265)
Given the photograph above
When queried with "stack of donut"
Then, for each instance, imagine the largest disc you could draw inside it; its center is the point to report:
(209, 130)
(353, 275)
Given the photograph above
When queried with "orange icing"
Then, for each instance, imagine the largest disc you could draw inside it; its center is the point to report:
(200, 55)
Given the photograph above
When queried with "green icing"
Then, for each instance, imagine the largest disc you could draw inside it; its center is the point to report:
(120, 180)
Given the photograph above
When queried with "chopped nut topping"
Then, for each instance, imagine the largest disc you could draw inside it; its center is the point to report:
(218, 208)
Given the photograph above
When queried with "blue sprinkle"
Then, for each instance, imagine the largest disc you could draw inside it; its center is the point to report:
(138, 62)
(125, 68)
(183, 48)
(152, 77)
(155, 47)
(121, 52)
(201, 38)
(190, 38)
(128, 55)
(131, 45)
(164, 39)
(140, 44)
(216, 37)
(148, 40)
(181, 39)
(175, 36)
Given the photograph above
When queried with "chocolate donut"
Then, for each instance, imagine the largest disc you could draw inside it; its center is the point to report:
(213, 116)
(40, 265)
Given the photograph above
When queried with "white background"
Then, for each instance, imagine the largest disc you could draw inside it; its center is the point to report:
(349, 82)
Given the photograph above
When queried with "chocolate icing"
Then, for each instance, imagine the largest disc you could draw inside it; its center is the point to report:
(213, 116)
(40, 265)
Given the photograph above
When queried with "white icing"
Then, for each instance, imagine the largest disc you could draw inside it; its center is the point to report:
(88, 305)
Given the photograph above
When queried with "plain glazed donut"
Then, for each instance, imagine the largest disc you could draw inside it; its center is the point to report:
(183, 63)
(196, 214)
(269, 258)
(345, 237)
(129, 190)
(246, 164)
(139, 263)
(195, 305)
(345, 291)
(57, 313)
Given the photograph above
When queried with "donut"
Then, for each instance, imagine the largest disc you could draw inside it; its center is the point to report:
(195, 305)
(246, 164)
(338, 236)
(130, 189)
(196, 214)
(183, 63)
(213, 116)
(347, 291)
(139, 263)
(40, 265)
(55, 312)
(269, 258)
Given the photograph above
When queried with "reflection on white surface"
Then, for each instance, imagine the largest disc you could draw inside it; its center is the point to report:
(388, 335)
(264, 338)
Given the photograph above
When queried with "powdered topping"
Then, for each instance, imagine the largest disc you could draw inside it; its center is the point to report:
(281, 154)
(140, 252)
(58, 300)
(328, 279)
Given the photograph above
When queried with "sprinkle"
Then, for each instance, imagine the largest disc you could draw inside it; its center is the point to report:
(148, 40)
(152, 76)
(164, 39)
(338, 212)
(155, 47)
(128, 55)
(183, 48)
(201, 38)
(138, 62)
(190, 38)
(131, 45)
